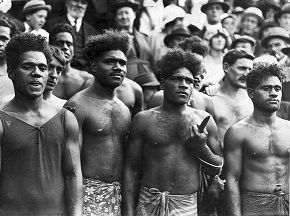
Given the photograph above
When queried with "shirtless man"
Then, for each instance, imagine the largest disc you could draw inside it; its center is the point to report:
(231, 103)
(257, 150)
(40, 156)
(165, 143)
(104, 123)
(72, 80)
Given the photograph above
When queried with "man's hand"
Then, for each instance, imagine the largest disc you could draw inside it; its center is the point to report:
(212, 196)
(196, 139)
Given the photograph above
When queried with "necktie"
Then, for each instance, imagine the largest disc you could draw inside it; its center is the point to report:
(75, 25)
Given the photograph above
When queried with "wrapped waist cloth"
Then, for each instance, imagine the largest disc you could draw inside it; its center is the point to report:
(101, 198)
(152, 202)
(260, 204)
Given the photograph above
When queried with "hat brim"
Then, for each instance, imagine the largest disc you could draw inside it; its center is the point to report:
(169, 37)
(224, 5)
(265, 40)
(286, 51)
(234, 43)
(134, 6)
(35, 8)
(279, 14)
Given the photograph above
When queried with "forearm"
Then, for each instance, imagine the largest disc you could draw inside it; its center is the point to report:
(74, 194)
(233, 198)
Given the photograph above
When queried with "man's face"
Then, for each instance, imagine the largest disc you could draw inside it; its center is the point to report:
(178, 87)
(64, 41)
(267, 95)
(30, 76)
(110, 68)
(236, 73)
(125, 17)
(245, 46)
(4, 39)
(274, 47)
(250, 24)
(229, 24)
(54, 72)
(76, 8)
(199, 81)
(218, 42)
(213, 13)
(284, 21)
(176, 40)
(37, 19)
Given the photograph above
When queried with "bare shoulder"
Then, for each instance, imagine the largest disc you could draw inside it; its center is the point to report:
(147, 116)
(83, 74)
(242, 127)
(135, 86)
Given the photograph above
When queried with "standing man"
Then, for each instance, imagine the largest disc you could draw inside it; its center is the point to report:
(72, 80)
(40, 157)
(104, 123)
(231, 102)
(257, 150)
(166, 148)
(76, 10)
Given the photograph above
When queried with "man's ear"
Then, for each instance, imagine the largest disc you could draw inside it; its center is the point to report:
(226, 67)
(250, 92)
(162, 81)
(93, 66)
(10, 73)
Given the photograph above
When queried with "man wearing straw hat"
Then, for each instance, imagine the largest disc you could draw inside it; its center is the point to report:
(34, 14)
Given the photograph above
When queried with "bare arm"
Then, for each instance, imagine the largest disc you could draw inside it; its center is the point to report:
(233, 164)
(132, 167)
(72, 167)
(139, 100)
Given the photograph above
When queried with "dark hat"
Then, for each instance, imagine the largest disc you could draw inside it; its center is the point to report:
(124, 3)
(286, 51)
(264, 5)
(255, 12)
(238, 10)
(34, 5)
(224, 5)
(285, 9)
(275, 32)
(180, 31)
(146, 79)
(243, 38)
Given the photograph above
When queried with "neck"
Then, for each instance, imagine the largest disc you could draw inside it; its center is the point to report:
(24, 103)
(231, 90)
(3, 66)
(67, 68)
(102, 91)
(216, 53)
(128, 29)
(173, 107)
(47, 95)
(264, 118)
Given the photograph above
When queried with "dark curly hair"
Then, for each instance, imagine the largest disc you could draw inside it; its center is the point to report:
(24, 42)
(177, 58)
(59, 28)
(195, 44)
(58, 54)
(109, 40)
(262, 71)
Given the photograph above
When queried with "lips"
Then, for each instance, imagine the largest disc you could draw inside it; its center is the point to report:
(117, 75)
(182, 93)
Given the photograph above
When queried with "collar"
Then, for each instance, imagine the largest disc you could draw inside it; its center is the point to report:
(73, 21)
(27, 27)
(283, 60)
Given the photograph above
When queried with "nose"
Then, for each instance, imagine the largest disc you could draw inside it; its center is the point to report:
(36, 72)
(183, 84)
(52, 73)
(273, 93)
(64, 47)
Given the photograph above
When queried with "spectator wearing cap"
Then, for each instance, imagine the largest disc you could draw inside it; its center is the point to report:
(34, 15)
(244, 42)
(228, 22)
(125, 13)
(76, 10)
(269, 8)
(149, 85)
(177, 36)
(251, 22)
(213, 10)
(173, 16)
(282, 17)
(277, 39)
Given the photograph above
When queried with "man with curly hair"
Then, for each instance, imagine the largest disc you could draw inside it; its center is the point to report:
(166, 146)
(104, 123)
(40, 156)
(257, 150)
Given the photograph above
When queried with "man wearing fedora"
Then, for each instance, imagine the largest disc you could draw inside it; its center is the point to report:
(282, 17)
(34, 14)
(213, 10)
(76, 10)
(274, 41)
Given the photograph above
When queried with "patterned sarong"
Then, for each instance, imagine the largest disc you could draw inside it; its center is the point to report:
(260, 204)
(152, 202)
(101, 198)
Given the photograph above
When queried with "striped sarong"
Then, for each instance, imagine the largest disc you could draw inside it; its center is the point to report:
(101, 198)
(152, 202)
(260, 204)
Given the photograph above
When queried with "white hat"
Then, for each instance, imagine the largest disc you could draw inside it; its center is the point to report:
(171, 12)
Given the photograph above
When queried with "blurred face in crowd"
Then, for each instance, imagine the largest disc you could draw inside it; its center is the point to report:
(213, 13)
(229, 24)
(274, 47)
(284, 21)
(125, 17)
(249, 25)
(269, 14)
(54, 71)
(176, 40)
(4, 39)
(245, 46)
(218, 42)
(76, 8)
(64, 41)
(37, 19)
